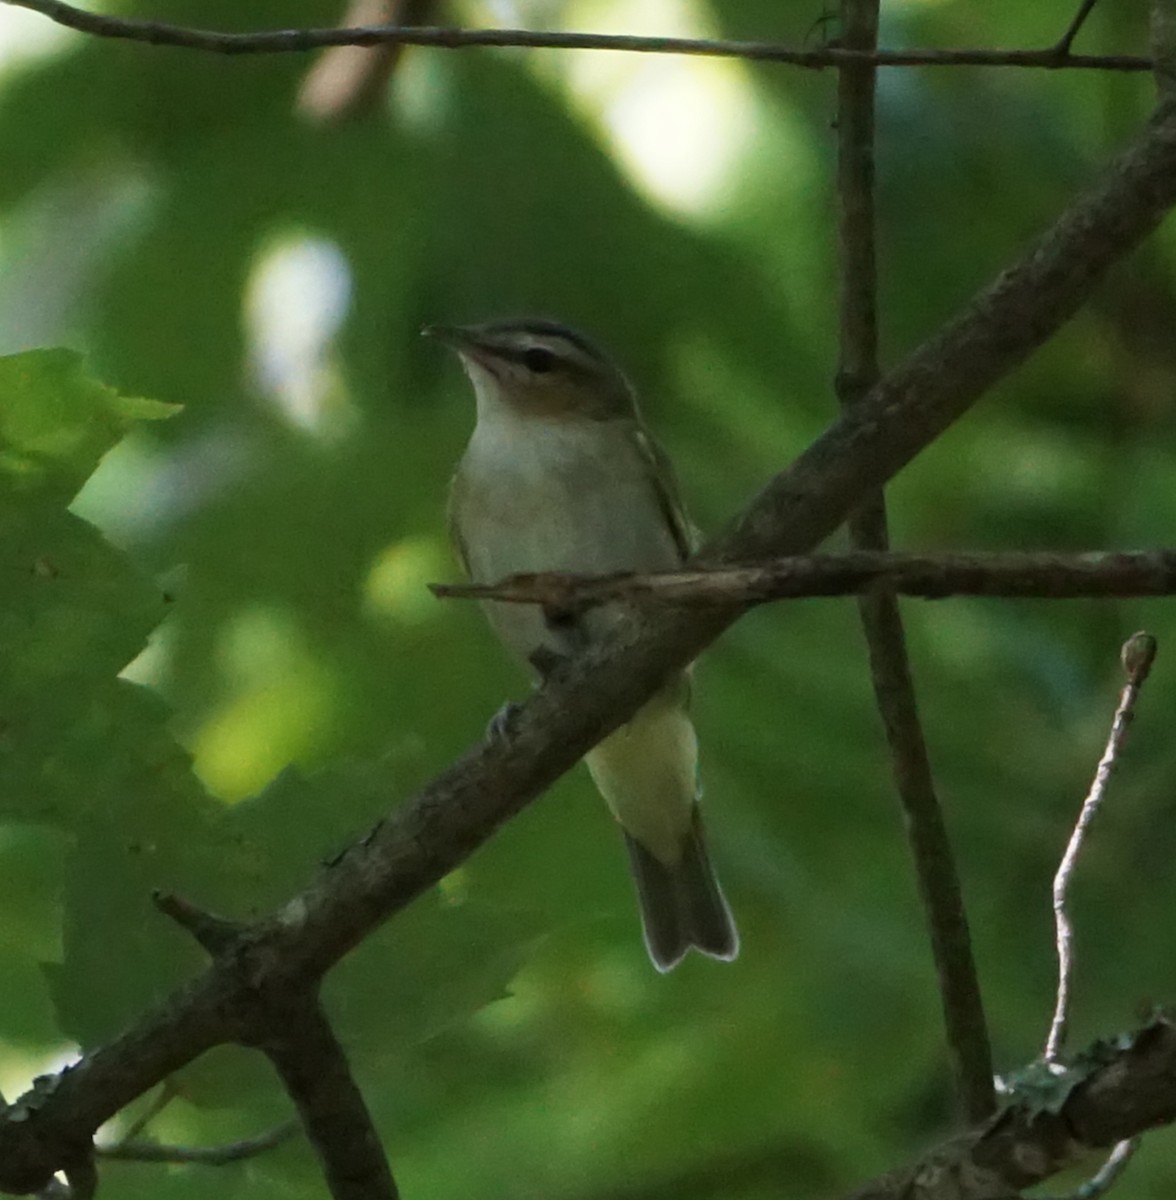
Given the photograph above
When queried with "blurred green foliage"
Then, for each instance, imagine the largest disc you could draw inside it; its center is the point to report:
(285, 676)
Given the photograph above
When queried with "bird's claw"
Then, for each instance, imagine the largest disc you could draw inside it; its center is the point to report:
(501, 725)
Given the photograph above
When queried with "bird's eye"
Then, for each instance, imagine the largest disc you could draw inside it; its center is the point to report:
(538, 360)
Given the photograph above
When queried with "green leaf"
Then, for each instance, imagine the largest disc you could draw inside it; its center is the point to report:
(56, 422)
(74, 610)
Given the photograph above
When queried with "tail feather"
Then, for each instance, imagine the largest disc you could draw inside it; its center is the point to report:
(682, 904)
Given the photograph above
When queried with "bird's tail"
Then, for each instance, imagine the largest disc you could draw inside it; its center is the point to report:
(682, 905)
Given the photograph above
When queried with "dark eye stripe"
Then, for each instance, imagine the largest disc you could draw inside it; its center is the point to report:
(539, 360)
(555, 362)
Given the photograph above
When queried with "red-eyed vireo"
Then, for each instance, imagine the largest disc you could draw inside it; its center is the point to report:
(562, 475)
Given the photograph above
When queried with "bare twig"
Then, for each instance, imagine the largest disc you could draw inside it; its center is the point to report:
(1139, 652)
(425, 837)
(212, 932)
(1073, 29)
(289, 1025)
(158, 1103)
(1012, 575)
(131, 1150)
(1107, 1175)
(890, 670)
(284, 41)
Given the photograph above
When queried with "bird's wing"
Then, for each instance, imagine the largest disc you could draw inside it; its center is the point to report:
(665, 486)
(455, 538)
(686, 536)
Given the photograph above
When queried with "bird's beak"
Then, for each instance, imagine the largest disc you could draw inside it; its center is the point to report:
(453, 336)
(465, 343)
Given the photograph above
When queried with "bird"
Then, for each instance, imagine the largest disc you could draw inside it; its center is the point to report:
(562, 474)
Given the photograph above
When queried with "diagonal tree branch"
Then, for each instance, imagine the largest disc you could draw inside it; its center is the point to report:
(428, 836)
(1117, 1089)
(315, 1073)
(890, 669)
(286, 41)
(288, 1025)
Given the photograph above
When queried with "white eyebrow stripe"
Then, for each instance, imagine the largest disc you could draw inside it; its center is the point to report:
(547, 332)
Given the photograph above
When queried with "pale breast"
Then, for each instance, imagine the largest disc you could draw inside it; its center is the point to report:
(555, 495)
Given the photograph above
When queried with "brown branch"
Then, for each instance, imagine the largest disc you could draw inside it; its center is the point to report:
(297, 1038)
(213, 933)
(1139, 652)
(285, 41)
(81, 1176)
(429, 835)
(287, 1023)
(137, 1150)
(1009, 575)
(1114, 1091)
(890, 669)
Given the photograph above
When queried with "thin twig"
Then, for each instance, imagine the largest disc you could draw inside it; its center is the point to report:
(128, 1150)
(1107, 1175)
(1139, 652)
(890, 669)
(285, 41)
(162, 1098)
(1042, 576)
(214, 933)
(1072, 30)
